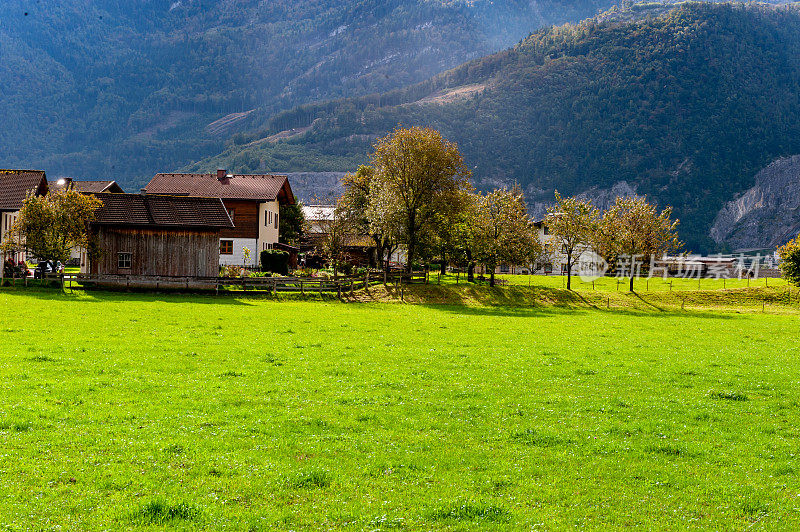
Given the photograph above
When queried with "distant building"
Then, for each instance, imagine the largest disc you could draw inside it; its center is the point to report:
(553, 262)
(141, 234)
(252, 201)
(15, 185)
(87, 187)
(360, 249)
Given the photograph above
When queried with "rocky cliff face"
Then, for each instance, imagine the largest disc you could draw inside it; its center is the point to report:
(765, 216)
(316, 187)
(602, 198)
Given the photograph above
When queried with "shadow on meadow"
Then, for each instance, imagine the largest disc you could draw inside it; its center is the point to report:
(535, 301)
(107, 296)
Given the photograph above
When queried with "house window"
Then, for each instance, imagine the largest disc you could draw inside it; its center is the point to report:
(231, 213)
(546, 230)
(124, 260)
(226, 247)
(276, 220)
(270, 217)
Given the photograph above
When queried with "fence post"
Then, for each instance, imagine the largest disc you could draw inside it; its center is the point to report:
(339, 289)
(302, 290)
(352, 282)
(401, 289)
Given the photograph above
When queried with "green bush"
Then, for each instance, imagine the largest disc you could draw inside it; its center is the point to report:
(790, 257)
(275, 261)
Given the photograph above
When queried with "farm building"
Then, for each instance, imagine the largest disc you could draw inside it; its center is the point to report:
(253, 203)
(87, 187)
(139, 234)
(360, 249)
(15, 185)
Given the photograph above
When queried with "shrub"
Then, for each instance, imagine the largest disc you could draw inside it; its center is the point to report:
(790, 257)
(275, 261)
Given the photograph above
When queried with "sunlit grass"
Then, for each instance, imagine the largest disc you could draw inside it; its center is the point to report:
(140, 411)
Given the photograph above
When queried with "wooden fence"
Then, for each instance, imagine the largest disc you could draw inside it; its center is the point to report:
(303, 285)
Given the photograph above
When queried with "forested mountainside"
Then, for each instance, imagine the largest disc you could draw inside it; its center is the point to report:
(107, 88)
(686, 104)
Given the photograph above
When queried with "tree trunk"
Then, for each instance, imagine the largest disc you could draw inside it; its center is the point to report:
(631, 288)
(569, 271)
(442, 268)
(470, 268)
(491, 278)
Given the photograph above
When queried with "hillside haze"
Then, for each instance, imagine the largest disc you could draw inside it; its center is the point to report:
(126, 89)
(684, 104)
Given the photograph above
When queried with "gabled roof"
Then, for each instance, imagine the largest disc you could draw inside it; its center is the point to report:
(261, 187)
(318, 213)
(16, 184)
(161, 211)
(88, 187)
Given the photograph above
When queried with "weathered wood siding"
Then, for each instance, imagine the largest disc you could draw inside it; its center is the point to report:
(159, 251)
(245, 219)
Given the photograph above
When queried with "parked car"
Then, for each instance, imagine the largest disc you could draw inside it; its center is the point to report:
(46, 266)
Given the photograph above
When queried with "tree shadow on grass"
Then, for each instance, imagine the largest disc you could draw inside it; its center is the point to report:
(121, 296)
(538, 301)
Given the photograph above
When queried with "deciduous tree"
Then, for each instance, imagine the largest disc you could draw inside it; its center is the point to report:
(51, 226)
(573, 223)
(503, 232)
(339, 230)
(790, 260)
(418, 176)
(357, 205)
(638, 232)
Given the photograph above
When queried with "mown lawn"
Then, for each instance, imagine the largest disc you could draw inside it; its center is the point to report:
(126, 411)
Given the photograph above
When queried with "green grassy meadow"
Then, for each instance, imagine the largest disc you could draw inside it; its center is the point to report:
(464, 408)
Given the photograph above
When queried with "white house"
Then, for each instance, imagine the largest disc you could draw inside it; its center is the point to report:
(15, 185)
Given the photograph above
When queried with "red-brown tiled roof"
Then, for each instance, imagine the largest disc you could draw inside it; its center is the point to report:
(16, 184)
(262, 187)
(89, 187)
(162, 211)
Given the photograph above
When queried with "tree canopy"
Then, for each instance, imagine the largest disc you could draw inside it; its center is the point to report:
(419, 175)
(790, 261)
(50, 226)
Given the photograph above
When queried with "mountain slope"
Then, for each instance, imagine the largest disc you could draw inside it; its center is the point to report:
(686, 105)
(125, 89)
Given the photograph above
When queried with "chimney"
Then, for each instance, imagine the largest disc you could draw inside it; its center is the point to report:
(221, 174)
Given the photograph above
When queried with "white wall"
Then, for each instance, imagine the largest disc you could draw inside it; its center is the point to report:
(237, 259)
(268, 223)
(6, 221)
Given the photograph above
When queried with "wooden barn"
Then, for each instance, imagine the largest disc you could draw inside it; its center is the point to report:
(253, 202)
(140, 234)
